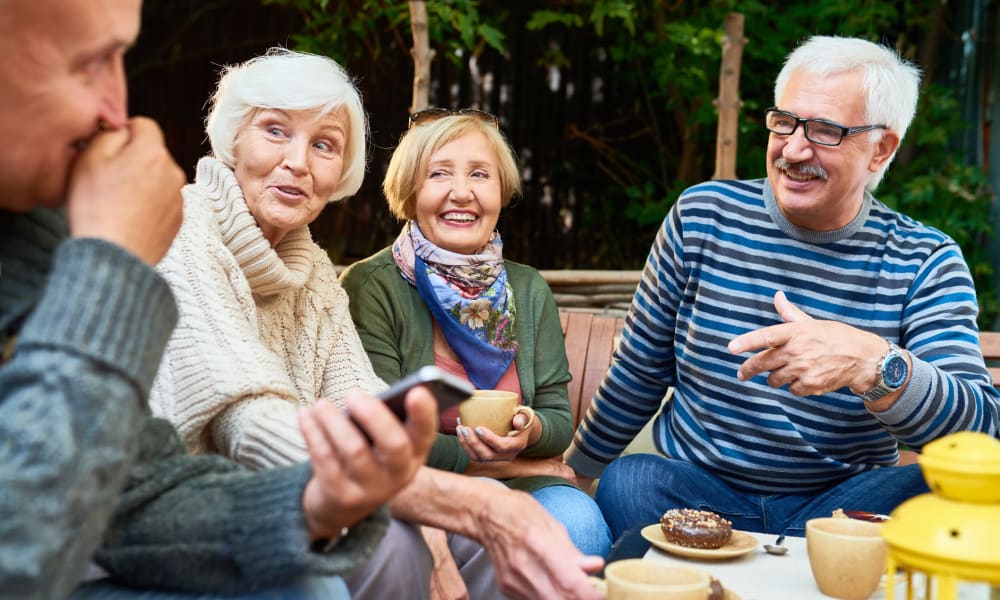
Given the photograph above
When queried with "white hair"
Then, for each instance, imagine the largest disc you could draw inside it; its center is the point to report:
(890, 84)
(288, 80)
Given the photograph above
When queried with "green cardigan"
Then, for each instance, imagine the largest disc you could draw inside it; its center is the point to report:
(397, 331)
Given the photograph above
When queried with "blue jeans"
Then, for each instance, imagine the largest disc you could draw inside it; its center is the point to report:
(580, 516)
(636, 490)
(309, 588)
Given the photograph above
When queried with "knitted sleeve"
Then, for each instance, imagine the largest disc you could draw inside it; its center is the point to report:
(379, 314)
(343, 362)
(71, 398)
(204, 524)
(323, 359)
(950, 389)
(219, 384)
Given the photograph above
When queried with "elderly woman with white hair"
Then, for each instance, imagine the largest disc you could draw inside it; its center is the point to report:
(264, 326)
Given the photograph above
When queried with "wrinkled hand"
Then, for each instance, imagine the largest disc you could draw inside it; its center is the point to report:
(126, 188)
(812, 357)
(482, 445)
(352, 476)
(532, 554)
(446, 580)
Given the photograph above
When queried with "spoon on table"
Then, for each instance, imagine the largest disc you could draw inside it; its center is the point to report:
(777, 549)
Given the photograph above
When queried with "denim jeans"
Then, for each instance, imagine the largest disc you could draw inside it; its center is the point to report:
(637, 489)
(309, 588)
(580, 516)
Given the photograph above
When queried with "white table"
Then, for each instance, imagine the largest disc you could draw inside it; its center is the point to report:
(762, 576)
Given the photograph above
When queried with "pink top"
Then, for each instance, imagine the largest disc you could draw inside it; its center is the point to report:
(449, 417)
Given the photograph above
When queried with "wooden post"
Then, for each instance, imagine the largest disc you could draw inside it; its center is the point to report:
(422, 56)
(728, 103)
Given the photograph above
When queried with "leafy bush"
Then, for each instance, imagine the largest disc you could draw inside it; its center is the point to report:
(654, 134)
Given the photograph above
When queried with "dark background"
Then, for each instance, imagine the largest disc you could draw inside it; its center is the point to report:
(606, 141)
(557, 126)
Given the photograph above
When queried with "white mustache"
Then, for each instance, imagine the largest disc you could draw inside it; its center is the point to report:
(807, 170)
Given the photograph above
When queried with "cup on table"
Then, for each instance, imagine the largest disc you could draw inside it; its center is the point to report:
(638, 579)
(847, 556)
(494, 410)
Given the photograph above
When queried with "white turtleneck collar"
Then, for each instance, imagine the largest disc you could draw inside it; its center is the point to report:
(269, 270)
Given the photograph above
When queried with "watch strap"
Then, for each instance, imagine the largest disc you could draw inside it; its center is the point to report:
(881, 388)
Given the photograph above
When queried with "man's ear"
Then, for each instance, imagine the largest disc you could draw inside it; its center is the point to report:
(884, 149)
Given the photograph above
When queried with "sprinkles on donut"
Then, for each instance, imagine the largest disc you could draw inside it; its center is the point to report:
(695, 528)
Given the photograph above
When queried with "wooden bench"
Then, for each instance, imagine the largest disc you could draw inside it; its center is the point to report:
(590, 339)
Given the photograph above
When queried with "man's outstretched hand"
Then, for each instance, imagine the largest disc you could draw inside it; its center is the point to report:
(811, 356)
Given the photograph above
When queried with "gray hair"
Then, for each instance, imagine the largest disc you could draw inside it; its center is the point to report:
(890, 84)
(287, 80)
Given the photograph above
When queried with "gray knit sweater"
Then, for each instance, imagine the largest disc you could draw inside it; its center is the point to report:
(86, 473)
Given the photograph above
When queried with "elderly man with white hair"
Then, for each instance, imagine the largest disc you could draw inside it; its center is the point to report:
(807, 328)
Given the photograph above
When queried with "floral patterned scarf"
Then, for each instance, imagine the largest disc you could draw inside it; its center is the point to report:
(469, 297)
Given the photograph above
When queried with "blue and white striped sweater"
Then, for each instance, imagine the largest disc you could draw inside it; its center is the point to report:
(720, 256)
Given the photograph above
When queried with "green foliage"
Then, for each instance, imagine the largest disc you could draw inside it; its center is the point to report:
(936, 187)
(540, 19)
(462, 17)
(345, 30)
(662, 58)
(624, 12)
(598, 12)
(673, 64)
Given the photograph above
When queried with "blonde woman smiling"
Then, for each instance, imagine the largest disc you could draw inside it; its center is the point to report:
(443, 294)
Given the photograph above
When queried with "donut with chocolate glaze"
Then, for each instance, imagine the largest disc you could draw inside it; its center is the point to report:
(695, 528)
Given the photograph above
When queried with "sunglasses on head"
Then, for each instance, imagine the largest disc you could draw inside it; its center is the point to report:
(428, 115)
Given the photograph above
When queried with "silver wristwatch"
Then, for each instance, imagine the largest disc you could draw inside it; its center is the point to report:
(892, 371)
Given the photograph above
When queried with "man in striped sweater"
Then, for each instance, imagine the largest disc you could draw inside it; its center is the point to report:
(807, 329)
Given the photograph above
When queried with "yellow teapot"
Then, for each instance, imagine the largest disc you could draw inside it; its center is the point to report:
(953, 533)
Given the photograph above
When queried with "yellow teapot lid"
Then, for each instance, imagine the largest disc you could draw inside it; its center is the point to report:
(970, 447)
(963, 466)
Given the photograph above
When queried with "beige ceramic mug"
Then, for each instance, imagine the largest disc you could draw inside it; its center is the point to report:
(847, 556)
(638, 579)
(494, 410)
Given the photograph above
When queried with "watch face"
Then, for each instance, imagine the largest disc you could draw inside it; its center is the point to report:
(894, 371)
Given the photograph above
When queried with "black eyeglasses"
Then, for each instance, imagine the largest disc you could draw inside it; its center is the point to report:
(433, 114)
(819, 131)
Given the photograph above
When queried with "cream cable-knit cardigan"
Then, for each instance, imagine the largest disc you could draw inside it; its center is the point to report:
(262, 331)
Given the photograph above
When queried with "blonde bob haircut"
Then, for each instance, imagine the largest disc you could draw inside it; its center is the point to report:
(293, 81)
(408, 165)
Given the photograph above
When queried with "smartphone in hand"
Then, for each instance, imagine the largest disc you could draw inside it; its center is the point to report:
(448, 389)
